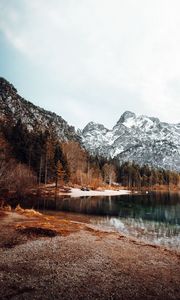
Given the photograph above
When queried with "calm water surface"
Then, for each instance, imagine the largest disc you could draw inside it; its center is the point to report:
(154, 217)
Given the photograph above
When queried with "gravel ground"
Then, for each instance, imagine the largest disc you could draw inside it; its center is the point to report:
(85, 264)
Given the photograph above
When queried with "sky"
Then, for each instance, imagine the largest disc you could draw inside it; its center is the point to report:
(91, 60)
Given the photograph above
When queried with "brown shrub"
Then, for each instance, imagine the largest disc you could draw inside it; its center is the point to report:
(16, 176)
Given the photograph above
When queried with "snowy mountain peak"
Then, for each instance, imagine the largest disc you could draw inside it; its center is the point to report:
(143, 122)
(142, 139)
(126, 116)
(93, 126)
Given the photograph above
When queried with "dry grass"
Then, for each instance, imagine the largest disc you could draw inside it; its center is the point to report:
(38, 222)
(44, 222)
(27, 212)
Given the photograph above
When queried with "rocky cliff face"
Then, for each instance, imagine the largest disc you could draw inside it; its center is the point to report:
(142, 139)
(13, 107)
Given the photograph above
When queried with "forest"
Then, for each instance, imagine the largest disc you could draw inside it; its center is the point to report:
(29, 158)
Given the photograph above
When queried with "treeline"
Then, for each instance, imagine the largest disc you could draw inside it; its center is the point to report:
(133, 175)
(40, 151)
(67, 162)
(50, 159)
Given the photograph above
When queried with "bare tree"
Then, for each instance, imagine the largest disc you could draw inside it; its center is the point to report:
(16, 177)
(109, 172)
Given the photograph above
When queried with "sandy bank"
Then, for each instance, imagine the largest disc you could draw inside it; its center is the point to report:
(75, 192)
(81, 262)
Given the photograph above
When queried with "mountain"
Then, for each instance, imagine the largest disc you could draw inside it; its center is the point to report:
(142, 139)
(145, 140)
(13, 107)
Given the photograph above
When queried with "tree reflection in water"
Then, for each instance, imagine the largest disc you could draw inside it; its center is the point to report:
(154, 217)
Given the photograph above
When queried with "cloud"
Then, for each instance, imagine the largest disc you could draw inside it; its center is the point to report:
(108, 55)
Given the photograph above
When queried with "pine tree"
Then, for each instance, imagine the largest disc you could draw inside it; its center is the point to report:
(59, 173)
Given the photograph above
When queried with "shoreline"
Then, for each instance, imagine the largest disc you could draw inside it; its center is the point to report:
(76, 192)
(80, 261)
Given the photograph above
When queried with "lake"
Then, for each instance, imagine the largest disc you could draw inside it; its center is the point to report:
(153, 217)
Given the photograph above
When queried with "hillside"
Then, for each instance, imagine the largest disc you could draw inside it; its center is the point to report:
(13, 107)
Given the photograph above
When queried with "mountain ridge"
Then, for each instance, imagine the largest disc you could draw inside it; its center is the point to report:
(142, 139)
(14, 107)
